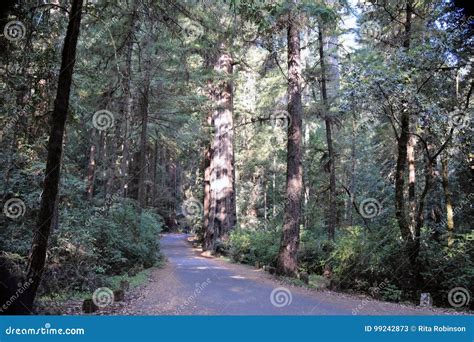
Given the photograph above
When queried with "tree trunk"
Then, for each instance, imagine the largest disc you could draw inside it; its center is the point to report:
(287, 256)
(206, 233)
(400, 210)
(352, 185)
(329, 76)
(222, 212)
(405, 146)
(402, 144)
(127, 104)
(39, 246)
(143, 144)
(411, 147)
(155, 174)
(447, 198)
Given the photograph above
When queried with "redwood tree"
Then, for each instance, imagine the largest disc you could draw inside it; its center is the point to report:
(221, 217)
(287, 256)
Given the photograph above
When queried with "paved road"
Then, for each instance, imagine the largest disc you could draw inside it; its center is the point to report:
(194, 285)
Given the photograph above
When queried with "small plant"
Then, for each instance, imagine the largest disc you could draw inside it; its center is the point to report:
(391, 293)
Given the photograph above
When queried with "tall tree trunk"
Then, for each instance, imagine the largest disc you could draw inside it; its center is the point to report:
(352, 184)
(290, 239)
(206, 234)
(429, 180)
(402, 145)
(400, 210)
(155, 175)
(329, 76)
(127, 104)
(411, 146)
(406, 153)
(39, 246)
(265, 200)
(222, 212)
(143, 143)
(447, 198)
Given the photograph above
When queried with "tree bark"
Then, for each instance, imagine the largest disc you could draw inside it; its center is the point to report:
(222, 211)
(352, 185)
(155, 174)
(206, 234)
(327, 77)
(411, 146)
(39, 246)
(400, 210)
(287, 256)
(127, 104)
(402, 144)
(447, 198)
(143, 143)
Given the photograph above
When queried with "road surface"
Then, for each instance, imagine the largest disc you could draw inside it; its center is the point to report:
(191, 284)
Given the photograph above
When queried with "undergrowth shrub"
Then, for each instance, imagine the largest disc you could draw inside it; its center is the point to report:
(313, 252)
(362, 259)
(124, 238)
(251, 246)
(92, 241)
(446, 268)
(108, 241)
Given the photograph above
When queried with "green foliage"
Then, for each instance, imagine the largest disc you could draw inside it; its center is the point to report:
(124, 238)
(251, 246)
(90, 248)
(368, 256)
(391, 293)
(139, 279)
(446, 268)
(313, 252)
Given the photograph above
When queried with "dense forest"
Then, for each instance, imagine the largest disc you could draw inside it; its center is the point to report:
(327, 141)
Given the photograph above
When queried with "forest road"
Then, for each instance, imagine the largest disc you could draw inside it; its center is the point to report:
(191, 284)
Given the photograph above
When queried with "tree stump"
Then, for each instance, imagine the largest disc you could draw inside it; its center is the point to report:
(119, 295)
(88, 306)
